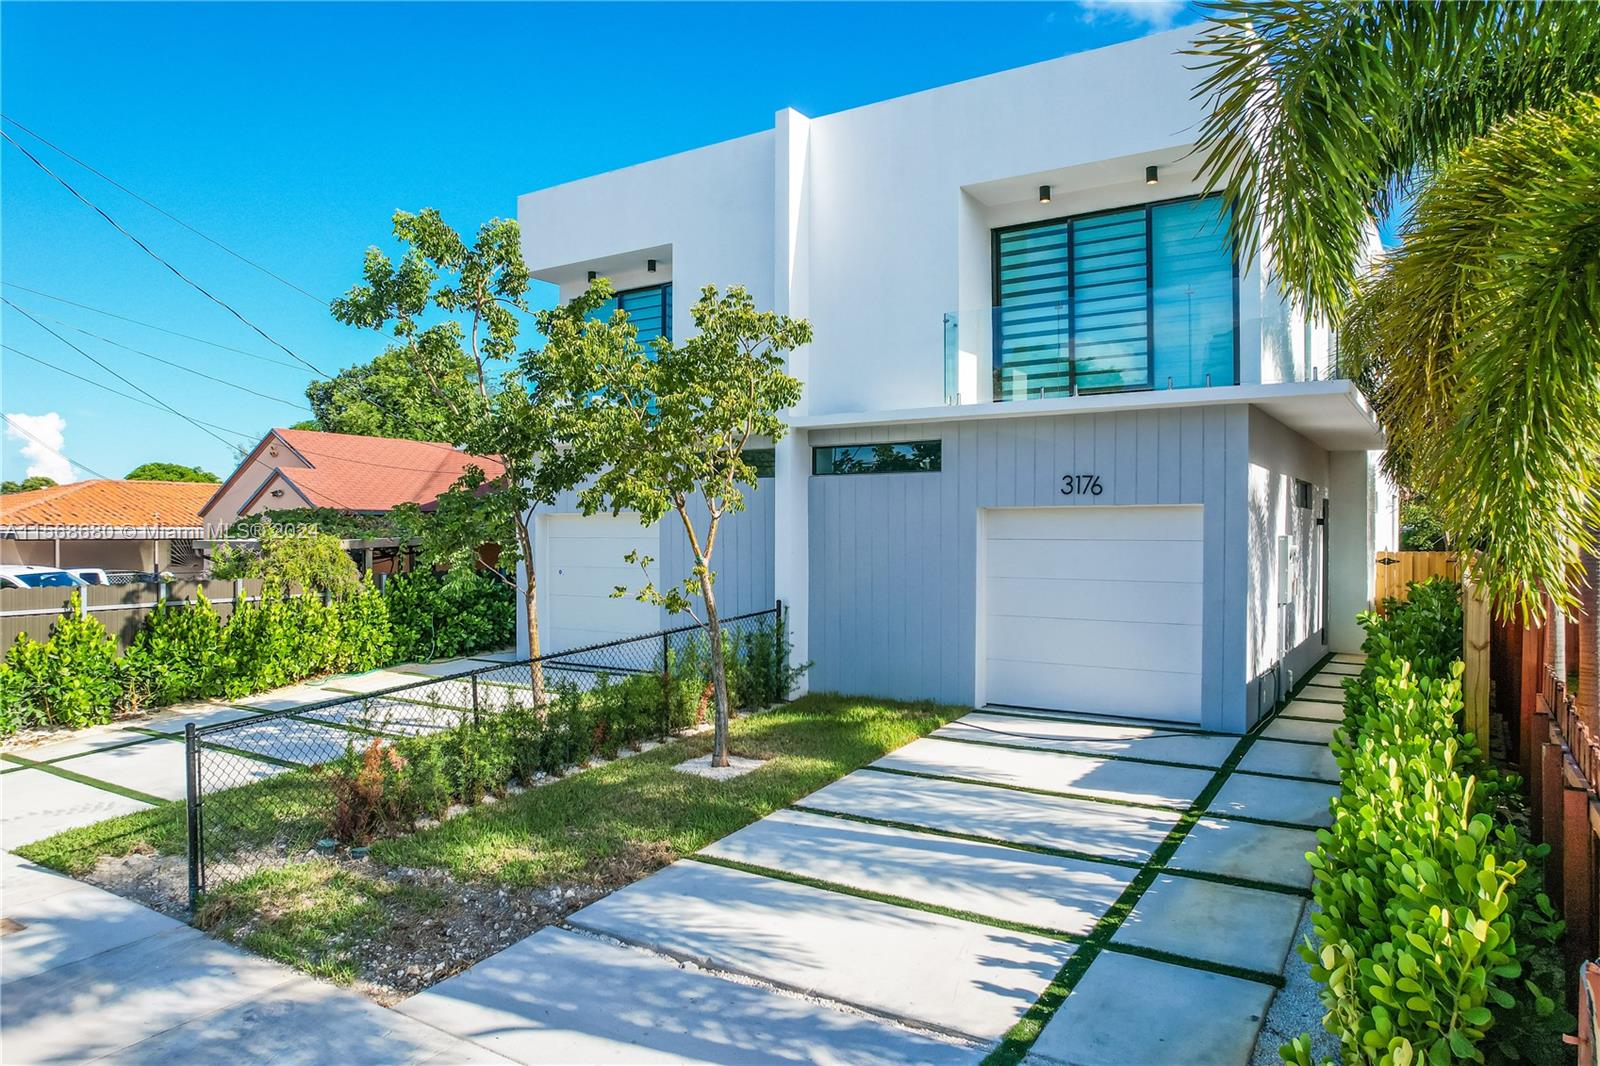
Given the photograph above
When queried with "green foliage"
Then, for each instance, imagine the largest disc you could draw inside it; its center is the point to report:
(176, 655)
(437, 618)
(388, 398)
(1420, 529)
(1478, 341)
(170, 472)
(1429, 905)
(288, 561)
(342, 524)
(70, 680)
(27, 484)
(666, 429)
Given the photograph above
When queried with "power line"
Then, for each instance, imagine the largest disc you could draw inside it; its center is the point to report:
(152, 254)
(156, 207)
(25, 431)
(112, 372)
(116, 392)
(149, 325)
(299, 406)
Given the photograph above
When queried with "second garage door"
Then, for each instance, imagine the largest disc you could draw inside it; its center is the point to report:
(584, 560)
(1094, 609)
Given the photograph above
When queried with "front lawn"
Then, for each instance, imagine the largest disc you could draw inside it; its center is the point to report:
(429, 903)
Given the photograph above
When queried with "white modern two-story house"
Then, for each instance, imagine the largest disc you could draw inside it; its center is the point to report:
(1060, 448)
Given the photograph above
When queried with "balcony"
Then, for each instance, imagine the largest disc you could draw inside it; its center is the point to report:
(1030, 351)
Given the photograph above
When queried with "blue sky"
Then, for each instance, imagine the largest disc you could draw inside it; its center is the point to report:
(291, 132)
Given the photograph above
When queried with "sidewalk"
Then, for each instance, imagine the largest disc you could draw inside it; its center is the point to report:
(84, 974)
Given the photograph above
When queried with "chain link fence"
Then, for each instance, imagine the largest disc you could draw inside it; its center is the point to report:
(268, 787)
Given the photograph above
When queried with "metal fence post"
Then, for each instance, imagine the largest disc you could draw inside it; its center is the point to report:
(778, 696)
(191, 749)
(666, 687)
(474, 699)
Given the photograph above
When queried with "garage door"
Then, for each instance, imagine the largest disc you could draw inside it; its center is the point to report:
(1094, 609)
(584, 559)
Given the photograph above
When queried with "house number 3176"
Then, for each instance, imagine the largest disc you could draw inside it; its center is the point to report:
(1081, 485)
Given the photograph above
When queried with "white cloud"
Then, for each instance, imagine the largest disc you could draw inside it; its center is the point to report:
(41, 439)
(1156, 14)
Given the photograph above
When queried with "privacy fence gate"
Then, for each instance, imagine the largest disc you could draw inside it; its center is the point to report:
(264, 786)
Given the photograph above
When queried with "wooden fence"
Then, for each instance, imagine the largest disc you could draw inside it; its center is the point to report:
(1397, 570)
(122, 609)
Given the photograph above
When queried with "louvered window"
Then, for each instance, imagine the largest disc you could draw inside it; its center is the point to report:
(649, 309)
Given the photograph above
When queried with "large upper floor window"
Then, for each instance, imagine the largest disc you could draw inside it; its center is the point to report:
(1135, 298)
(649, 309)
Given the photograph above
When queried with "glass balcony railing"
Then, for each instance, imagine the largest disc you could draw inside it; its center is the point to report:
(1032, 351)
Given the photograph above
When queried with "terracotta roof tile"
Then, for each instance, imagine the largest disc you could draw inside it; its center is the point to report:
(171, 504)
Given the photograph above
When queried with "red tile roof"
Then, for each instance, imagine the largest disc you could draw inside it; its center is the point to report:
(169, 504)
(355, 473)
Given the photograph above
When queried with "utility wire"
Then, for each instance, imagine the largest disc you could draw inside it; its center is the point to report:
(113, 373)
(148, 325)
(117, 392)
(25, 431)
(298, 406)
(157, 208)
(152, 254)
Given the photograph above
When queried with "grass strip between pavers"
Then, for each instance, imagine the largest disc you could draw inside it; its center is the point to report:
(1016, 1044)
(85, 779)
(1020, 744)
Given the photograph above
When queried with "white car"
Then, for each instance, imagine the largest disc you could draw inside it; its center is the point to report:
(89, 575)
(13, 576)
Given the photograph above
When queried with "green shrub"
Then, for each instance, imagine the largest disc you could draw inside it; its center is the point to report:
(177, 655)
(71, 680)
(1428, 895)
(436, 618)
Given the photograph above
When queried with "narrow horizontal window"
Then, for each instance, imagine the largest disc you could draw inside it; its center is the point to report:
(762, 460)
(907, 457)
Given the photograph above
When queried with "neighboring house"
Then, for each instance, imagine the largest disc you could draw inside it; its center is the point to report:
(295, 468)
(145, 526)
(1059, 447)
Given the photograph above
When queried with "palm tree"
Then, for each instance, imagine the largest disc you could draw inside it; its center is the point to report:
(1478, 341)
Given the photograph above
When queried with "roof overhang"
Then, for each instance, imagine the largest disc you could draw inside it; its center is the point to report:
(1332, 414)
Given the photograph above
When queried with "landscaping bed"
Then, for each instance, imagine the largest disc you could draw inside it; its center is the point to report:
(424, 905)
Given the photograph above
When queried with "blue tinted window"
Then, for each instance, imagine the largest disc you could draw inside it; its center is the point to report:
(909, 457)
(649, 309)
(1141, 298)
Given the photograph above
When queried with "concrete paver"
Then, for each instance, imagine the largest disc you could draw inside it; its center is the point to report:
(1295, 760)
(1133, 1010)
(1214, 922)
(155, 768)
(1295, 729)
(1245, 850)
(563, 997)
(1067, 895)
(35, 804)
(1103, 829)
(1337, 669)
(928, 969)
(62, 928)
(1275, 799)
(290, 739)
(1322, 689)
(1131, 782)
(1198, 749)
(1318, 709)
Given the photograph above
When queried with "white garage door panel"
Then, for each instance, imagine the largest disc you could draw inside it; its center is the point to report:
(1095, 609)
(1172, 697)
(1099, 523)
(584, 562)
(1124, 645)
(1112, 601)
(1136, 560)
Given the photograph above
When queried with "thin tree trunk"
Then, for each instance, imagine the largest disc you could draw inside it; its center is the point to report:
(1589, 640)
(719, 676)
(530, 608)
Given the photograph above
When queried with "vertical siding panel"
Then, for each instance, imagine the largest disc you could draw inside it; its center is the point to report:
(895, 587)
(1066, 435)
(1169, 465)
(1127, 462)
(962, 580)
(1236, 507)
(1085, 459)
(949, 564)
(1149, 456)
(1213, 642)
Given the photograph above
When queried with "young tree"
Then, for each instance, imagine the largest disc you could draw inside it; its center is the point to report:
(305, 559)
(473, 296)
(666, 428)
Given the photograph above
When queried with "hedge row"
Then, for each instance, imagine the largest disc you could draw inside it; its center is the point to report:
(383, 787)
(1432, 928)
(186, 652)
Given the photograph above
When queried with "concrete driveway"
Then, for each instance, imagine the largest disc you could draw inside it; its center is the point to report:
(1098, 892)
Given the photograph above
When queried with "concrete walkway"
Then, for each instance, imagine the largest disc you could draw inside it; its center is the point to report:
(1098, 893)
(86, 974)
